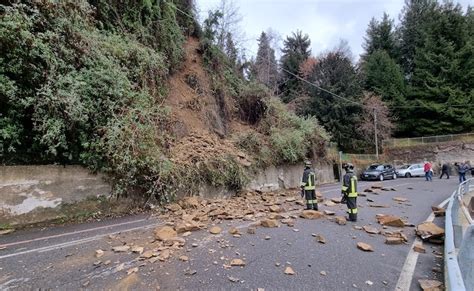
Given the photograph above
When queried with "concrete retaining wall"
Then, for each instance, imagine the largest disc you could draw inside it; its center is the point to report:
(28, 194)
(26, 189)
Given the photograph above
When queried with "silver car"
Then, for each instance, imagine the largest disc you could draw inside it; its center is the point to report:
(411, 170)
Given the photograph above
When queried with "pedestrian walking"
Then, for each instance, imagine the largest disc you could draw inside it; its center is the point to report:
(308, 186)
(349, 192)
(444, 171)
(428, 171)
(462, 169)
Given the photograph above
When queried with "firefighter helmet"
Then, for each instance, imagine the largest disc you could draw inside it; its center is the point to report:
(349, 167)
(308, 164)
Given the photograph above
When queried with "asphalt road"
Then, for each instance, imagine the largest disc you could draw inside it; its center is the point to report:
(62, 258)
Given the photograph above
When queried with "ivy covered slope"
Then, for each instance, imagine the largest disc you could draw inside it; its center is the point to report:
(90, 83)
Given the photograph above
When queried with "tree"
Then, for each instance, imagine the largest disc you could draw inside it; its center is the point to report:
(385, 78)
(380, 35)
(374, 107)
(295, 51)
(439, 98)
(415, 15)
(335, 72)
(265, 67)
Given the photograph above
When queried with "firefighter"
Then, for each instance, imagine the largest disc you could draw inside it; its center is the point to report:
(308, 186)
(349, 191)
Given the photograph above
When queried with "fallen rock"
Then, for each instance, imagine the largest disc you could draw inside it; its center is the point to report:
(175, 241)
(6, 231)
(186, 226)
(290, 199)
(438, 211)
(390, 220)
(371, 229)
(137, 250)
(370, 200)
(365, 247)
(251, 230)
(320, 239)
(431, 285)
(189, 202)
(148, 254)
(329, 212)
(164, 255)
(184, 258)
(237, 263)
(311, 214)
(173, 207)
(290, 222)
(215, 230)
(275, 208)
(368, 190)
(99, 253)
(121, 249)
(394, 241)
(336, 200)
(132, 270)
(233, 279)
(165, 232)
(357, 227)
(377, 186)
(429, 230)
(269, 223)
(419, 248)
(400, 199)
(234, 230)
(289, 271)
(323, 273)
(368, 282)
(190, 272)
(341, 220)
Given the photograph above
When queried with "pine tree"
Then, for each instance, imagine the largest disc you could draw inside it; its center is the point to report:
(295, 51)
(415, 15)
(380, 35)
(265, 67)
(335, 72)
(440, 97)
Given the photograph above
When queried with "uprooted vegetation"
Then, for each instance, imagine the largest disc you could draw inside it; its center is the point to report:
(138, 98)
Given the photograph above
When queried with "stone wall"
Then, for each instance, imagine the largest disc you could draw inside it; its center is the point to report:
(26, 189)
(449, 152)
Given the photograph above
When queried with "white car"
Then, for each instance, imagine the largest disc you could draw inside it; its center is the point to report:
(412, 170)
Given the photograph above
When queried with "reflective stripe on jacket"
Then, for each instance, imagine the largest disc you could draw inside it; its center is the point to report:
(349, 185)
(308, 182)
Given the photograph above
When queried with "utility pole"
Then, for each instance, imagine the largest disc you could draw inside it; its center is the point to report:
(375, 131)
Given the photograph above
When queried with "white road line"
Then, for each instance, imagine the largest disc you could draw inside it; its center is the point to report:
(408, 269)
(76, 242)
(71, 233)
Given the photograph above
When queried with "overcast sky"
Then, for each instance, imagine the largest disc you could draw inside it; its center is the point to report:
(325, 21)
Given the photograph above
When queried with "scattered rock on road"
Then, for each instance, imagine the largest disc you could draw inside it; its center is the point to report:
(311, 214)
(269, 223)
(323, 273)
(237, 263)
(419, 248)
(371, 229)
(251, 230)
(400, 199)
(234, 230)
(394, 240)
(289, 271)
(431, 285)
(233, 279)
(121, 249)
(165, 232)
(428, 230)
(341, 220)
(215, 230)
(137, 250)
(365, 247)
(320, 239)
(99, 253)
(6, 231)
(438, 211)
(390, 220)
(329, 212)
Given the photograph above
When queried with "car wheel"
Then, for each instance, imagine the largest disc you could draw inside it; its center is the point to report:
(394, 176)
(381, 177)
(407, 175)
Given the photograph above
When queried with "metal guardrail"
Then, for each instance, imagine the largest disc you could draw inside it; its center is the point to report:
(404, 142)
(458, 244)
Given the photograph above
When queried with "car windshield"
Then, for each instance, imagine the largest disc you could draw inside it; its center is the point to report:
(405, 167)
(375, 167)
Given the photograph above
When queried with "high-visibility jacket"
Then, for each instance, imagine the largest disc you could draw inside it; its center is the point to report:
(308, 182)
(349, 185)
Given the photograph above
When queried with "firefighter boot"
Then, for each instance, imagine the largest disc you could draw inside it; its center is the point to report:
(352, 217)
(315, 206)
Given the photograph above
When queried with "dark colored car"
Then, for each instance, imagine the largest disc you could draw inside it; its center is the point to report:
(379, 172)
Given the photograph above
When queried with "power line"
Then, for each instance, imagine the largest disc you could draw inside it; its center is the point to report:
(338, 96)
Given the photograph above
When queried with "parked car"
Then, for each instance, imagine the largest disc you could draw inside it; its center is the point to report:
(379, 172)
(411, 170)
